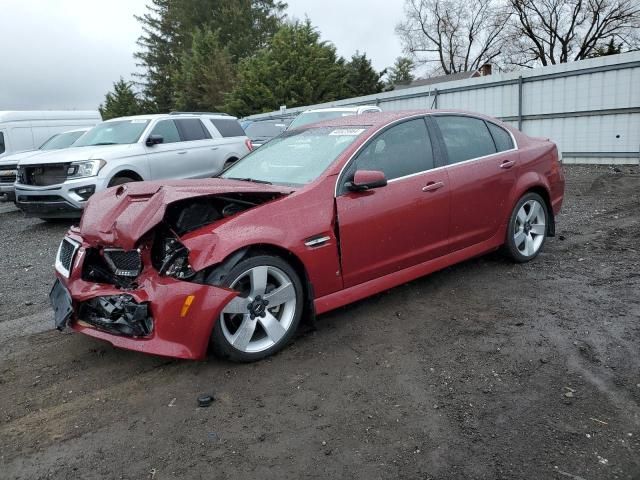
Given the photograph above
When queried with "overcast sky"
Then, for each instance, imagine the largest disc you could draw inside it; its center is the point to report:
(66, 54)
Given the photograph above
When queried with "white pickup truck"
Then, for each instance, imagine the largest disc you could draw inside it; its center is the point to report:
(128, 149)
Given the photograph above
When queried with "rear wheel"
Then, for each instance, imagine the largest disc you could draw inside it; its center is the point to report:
(264, 317)
(229, 163)
(527, 230)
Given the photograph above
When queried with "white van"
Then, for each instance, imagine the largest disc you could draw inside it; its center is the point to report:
(27, 130)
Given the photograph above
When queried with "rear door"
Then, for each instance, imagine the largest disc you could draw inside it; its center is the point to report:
(390, 228)
(199, 147)
(482, 171)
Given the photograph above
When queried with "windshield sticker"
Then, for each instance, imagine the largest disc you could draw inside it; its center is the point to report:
(350, 132)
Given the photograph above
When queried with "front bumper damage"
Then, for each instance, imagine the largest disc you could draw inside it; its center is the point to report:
(158, 315)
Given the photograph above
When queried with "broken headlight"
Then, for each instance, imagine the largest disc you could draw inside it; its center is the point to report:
(173, 259)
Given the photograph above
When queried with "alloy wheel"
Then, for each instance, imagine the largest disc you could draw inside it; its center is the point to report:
(264, 311)
(530, 228)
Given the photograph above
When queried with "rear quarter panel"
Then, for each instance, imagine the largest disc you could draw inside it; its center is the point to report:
(539, 168)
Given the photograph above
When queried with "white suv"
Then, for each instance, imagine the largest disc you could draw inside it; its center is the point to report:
(128, 149)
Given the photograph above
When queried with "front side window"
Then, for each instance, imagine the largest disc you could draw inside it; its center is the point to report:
(117, 132)
(465, 137)
(2, 147)
(402, 150)
(501, 137)
(192, 129)
(296, 157)
(60, 141)
(167, 130)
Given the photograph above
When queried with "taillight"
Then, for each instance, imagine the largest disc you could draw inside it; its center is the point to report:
(249, 145)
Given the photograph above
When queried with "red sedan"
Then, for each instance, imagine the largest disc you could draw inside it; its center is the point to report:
(317, 218)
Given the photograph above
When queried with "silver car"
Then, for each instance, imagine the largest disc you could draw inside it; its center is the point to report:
(128, 149)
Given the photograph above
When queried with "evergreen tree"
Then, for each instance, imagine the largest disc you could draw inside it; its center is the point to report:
(400, 73)
(122, 102)
(158, 54)
(205, 74)
(361, 77)
(243, 26)
(297, 69)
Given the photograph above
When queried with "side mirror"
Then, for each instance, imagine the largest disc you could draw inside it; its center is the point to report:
(366, 180)
(154, 140)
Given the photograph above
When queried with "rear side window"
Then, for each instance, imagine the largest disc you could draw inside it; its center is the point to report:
(228, 127)
(400, 151)
(465, 137)
(168, 130)
(2, 148)
(501, 137)
(192, 129)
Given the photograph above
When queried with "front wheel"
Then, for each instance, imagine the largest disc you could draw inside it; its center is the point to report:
(527, 230)
(263, 318)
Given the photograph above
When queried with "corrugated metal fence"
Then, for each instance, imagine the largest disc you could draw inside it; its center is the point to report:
(591, 108)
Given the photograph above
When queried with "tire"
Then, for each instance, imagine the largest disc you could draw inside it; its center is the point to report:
(527, 229)
(115, 181)
(229, 163)
(249, 329)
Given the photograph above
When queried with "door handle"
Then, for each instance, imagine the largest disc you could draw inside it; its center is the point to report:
(507, 164)
(182, 153)
(432, 186)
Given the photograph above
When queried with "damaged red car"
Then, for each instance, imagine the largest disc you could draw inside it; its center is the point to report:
(317, 218)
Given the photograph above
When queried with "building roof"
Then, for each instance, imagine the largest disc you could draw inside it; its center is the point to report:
(452, 77)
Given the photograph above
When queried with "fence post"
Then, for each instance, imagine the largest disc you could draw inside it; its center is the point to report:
(520, 103)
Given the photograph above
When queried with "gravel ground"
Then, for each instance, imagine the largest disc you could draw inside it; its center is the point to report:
(486, 370)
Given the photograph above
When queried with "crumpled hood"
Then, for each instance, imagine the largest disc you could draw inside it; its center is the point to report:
(77, 154)
(120, 216)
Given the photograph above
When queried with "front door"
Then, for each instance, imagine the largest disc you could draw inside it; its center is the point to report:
(404, 223)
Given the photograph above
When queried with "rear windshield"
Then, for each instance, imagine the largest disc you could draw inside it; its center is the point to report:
(117, 132)
(296, 157)
(228, 127)
(62, 140)
(305, 118)
(264, 130)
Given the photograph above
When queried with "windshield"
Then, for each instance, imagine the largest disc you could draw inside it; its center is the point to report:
(258, 130)
(296, 157)
(113, 133)
(62, 140)
(306, 118)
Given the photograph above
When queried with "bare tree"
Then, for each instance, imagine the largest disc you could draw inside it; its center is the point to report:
(558, 31)
(453, 35)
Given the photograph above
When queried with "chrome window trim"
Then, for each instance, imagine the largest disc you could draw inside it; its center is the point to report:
(58, 265)
(413, 117)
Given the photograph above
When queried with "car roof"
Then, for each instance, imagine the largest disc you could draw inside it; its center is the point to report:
(339, 109)
(377, 120)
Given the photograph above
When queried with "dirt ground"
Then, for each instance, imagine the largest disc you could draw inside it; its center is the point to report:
(486, 370)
